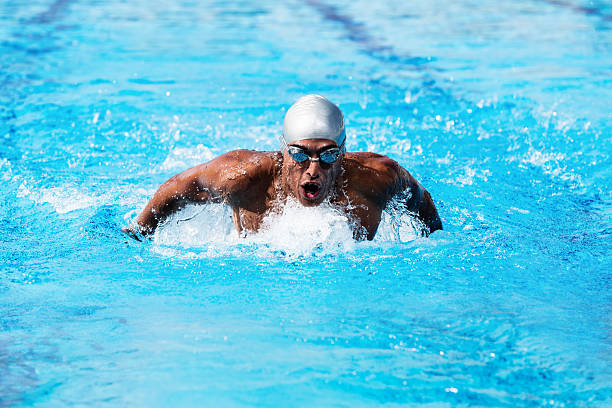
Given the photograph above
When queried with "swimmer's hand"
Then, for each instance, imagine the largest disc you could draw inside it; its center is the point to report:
(133, 232)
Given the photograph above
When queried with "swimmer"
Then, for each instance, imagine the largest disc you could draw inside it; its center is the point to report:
(312, 167)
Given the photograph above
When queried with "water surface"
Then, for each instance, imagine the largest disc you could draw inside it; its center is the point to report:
(500, 110)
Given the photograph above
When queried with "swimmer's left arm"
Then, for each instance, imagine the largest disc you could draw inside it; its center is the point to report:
(397, 183)
(419, 200)
(383, 179)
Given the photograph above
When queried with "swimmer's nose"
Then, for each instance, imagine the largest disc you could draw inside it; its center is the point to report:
(314, 170)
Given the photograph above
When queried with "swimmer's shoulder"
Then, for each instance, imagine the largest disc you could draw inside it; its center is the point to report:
(243, 162)
(373, 173)
(367, 163)
(240, 170)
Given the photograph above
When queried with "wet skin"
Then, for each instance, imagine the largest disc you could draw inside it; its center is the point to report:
(256, 183)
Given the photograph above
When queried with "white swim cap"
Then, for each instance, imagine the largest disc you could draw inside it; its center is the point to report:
(313, 117)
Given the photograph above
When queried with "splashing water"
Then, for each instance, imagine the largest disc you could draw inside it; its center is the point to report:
(295, 231)
(300, 230)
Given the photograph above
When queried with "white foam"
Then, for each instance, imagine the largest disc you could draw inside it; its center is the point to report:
(196, 226)
(398, 227)
(6, 170)
(541, 159)
(300, 230)
(297, 231)
(467, 175)
(66, 198)
(70, 197)
(208, 231)
(551, 163)
(397, 224)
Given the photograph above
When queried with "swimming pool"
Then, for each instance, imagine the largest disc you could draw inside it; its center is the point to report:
(500, 109)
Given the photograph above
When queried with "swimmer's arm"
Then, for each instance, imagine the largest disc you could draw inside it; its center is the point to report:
(383, 179)
(419, 201)
(224, 179)
(180, 190)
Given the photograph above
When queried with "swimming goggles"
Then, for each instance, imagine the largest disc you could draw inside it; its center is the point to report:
(327, 156)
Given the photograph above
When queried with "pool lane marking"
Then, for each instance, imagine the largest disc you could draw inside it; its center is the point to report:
(52, 13)
(588, 10)
(358, 33)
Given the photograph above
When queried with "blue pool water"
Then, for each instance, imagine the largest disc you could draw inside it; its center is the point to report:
(500, 109)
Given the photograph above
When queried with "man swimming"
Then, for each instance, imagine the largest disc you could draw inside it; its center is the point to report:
(312, 167)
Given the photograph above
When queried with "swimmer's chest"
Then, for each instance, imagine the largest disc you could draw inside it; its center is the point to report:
(250, 209)
(364, 214)
(249, 215)
(245, 220)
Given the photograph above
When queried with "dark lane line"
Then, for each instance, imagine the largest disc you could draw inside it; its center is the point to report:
(26, 48)
(52, 13)
(589, 11)
(358, 33)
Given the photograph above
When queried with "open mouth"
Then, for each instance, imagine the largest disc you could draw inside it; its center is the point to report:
(311, 190)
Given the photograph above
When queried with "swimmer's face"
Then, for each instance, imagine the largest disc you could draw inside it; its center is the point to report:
(310, 182)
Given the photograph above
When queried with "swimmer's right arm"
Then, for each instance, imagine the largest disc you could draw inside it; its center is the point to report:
(208, 182)
(180, 190)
